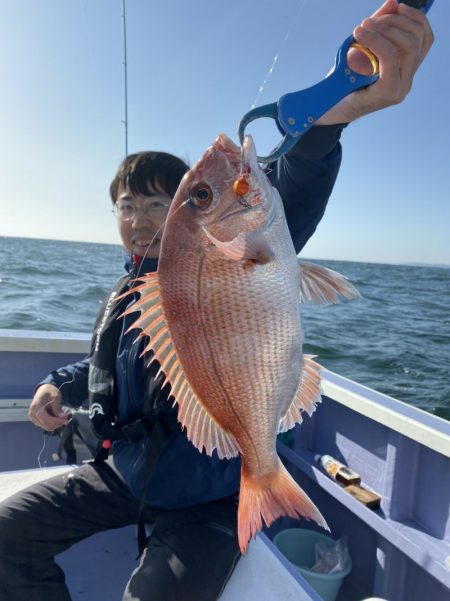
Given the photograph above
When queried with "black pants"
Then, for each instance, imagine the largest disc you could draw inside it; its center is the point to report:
(47, 518)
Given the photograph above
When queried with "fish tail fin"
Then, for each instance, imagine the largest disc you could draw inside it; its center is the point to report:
(268, 497)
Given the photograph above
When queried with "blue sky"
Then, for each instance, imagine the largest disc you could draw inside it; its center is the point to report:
(194, 69)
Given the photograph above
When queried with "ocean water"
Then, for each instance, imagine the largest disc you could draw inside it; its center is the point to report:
(396, 339)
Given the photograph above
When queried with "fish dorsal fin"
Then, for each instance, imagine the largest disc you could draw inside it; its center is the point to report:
(201, 428)
(324, 286)
(306, 397)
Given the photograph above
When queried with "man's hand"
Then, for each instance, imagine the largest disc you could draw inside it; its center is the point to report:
(400, 37)
(46, 408)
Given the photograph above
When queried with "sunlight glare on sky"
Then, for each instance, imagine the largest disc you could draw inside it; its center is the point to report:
(194, 68)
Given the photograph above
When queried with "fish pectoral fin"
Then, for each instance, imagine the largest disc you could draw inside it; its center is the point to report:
(202, 430)
(306, 397)
(324, 286)
(246, 246)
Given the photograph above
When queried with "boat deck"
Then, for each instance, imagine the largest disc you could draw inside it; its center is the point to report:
(262, 574)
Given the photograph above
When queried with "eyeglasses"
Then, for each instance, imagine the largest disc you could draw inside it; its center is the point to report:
(126, 210)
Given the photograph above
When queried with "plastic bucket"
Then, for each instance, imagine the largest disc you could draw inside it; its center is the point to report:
(299, 547)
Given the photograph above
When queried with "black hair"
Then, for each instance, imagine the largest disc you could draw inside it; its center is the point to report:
(143, 173)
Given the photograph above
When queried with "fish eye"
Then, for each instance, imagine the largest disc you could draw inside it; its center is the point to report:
(201, 195)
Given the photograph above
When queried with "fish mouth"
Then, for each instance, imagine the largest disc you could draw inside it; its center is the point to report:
(240, 156)
(242, 160)
(227, 146)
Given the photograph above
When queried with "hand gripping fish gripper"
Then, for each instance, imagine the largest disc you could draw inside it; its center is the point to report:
(296, 112)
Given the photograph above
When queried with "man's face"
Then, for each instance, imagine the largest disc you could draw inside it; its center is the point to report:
(140, 220)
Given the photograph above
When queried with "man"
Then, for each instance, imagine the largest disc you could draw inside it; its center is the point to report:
(153, 471)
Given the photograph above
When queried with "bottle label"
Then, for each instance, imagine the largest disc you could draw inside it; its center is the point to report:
(338, 471)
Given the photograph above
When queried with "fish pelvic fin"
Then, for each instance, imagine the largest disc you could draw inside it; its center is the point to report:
(306, 397)
(201, 428)
(269, 497)
(250, 246)
(324, 286)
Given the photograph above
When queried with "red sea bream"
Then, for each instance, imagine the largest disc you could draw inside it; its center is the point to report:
(223, 318)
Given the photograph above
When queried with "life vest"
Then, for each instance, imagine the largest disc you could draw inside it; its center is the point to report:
(101, 382)
(103, 401)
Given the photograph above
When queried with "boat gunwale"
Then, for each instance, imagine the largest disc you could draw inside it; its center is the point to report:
(430, 430)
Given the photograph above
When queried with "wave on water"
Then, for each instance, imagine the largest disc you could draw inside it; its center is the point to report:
(396, 339)
(55, 285)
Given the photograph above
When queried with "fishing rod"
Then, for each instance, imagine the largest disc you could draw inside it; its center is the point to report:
(125, 75)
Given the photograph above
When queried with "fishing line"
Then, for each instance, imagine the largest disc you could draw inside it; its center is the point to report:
(156, 233)
(42, 466)
(275, 59)
(144, 446)
(50, 432)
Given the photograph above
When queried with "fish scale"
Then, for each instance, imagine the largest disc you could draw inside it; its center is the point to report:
(238, 332)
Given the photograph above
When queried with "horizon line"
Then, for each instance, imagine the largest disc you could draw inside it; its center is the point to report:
(374, 262)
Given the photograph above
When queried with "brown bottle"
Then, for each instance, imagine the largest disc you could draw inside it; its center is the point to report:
(337, 470)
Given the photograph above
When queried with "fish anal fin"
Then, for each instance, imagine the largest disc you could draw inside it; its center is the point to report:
(201, 428)
(324, 286)
(306, 397)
